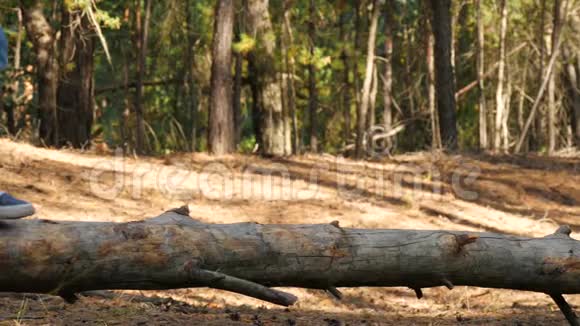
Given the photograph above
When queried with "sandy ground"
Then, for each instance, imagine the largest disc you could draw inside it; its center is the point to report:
(527, 196)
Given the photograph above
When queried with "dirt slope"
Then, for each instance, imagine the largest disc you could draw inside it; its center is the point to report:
(525, 196)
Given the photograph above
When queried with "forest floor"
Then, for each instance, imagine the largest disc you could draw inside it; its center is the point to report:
(529, 196)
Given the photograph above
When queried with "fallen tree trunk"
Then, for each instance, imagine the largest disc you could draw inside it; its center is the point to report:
(175, 251)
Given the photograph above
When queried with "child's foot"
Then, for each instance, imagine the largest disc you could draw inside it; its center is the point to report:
(12, 208)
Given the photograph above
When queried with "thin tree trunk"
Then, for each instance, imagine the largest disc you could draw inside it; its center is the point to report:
(221, 116)
(174, 251)
(12, 105)
(365, 93)
(445, 86)
(346, 88)
(42, 36)
(505, 133)
(126, 136)
(190, 64)
(312, 91)
(290, 63)
(373, 99)
(237, 95)
(537, 136)
(388, 72)
(499, 95)
(483, 136)
(434, 117)
(357, 45)
(410, 53)
(237, 99)
(552, 114)
(142, 36)
(522, 100)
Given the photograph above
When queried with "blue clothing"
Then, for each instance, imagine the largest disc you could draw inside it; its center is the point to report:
(3, 50)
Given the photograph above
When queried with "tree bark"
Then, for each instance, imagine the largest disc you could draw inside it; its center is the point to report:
(445, 85)
(552, 114)
(430, 58)
(346, 88)
(366, 90)
(483, 136)
(174, 251)
(373, 99)
(221, 118)
(312, 91)
(267, 94)
(388, 70)
(499, 95)
(291, 67)
(191, 82)
(355, 55)
(12, 99)
(537, 136)
(238, 77)
(76, 85)
(141, 38)
(42, 36)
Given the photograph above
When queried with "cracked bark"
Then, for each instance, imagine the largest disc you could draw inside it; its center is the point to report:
(175, 251)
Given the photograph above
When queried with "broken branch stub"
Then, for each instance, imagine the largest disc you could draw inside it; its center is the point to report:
(174, 251)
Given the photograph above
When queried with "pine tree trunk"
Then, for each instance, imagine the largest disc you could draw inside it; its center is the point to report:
(312, 91)
(499, 95)
(273, 139)
(355, 54)
(42, 36)
(366, 90)
(190, 64)
(430, 58)
(537, 138)
(76, 85)
(141, 38)
(238, 75)
(552, 111)
(346, 88)
(221, 135)
(483, 135)
(505, 132)
(14, 102)
(444, 75)
(290, 64)
(373, 98)
(388, 72)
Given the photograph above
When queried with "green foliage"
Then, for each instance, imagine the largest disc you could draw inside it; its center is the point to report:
(247, 145)
(245, 45)
(182, 28)
(106, 20)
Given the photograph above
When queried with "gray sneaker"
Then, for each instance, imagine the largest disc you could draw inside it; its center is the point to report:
(12, 208)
